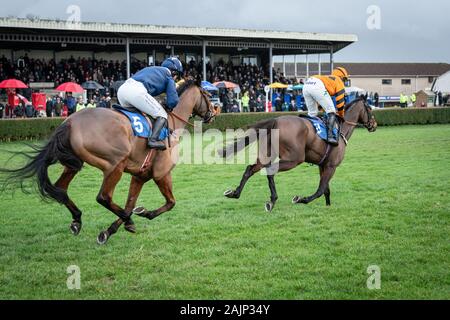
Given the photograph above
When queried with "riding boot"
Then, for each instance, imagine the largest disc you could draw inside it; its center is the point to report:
(153, 140)
(331, 125)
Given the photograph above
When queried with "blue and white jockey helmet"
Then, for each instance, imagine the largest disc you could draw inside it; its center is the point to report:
(173, 64)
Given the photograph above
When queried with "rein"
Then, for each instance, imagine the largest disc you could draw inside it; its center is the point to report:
(173, 115)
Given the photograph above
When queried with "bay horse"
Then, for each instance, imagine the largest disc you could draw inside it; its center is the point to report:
(104, 139)
(298, 143)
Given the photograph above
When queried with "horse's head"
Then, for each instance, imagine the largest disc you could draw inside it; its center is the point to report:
(202, 105)
(364, 112)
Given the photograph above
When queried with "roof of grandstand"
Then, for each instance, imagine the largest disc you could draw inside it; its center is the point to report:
(29, 30)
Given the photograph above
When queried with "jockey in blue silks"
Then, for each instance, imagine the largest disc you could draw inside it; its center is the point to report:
(139, 92)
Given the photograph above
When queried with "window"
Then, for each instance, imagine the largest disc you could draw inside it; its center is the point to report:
(406, 82)
(430, 79)
(250, 60)
(387, 82)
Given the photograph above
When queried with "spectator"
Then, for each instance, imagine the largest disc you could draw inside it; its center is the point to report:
(49, 107)
(403, 100)
(376, 99)
(413, 100)
(91, 104)
(252, 103)
(103, 103)
(246, 102)
(58, 107)
(80, 105)
(235, 107)
(19, 111)
(440, 99)
(2, 108)
(278, 103)
(30, 112)
(108, 101)
(71, 103)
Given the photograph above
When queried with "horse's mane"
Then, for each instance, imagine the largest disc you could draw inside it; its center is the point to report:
(351, 104)
(185, 86)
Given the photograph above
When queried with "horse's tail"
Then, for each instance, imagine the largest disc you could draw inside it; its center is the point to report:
(250, 137)
(58, 149)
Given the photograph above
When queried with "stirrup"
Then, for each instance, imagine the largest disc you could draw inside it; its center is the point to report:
(157, 145)
(334, 142)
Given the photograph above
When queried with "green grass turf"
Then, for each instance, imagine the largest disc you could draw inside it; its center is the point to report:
(390, 208)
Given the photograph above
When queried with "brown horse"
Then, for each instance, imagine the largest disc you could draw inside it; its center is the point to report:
(299, 143)
(104, 139)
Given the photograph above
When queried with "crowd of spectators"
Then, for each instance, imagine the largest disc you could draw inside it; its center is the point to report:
(66, 70)
(251, 78)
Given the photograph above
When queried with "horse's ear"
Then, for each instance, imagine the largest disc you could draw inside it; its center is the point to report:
(198, 81)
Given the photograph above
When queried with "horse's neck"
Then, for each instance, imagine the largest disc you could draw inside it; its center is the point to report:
(183, 111)
(352, 116)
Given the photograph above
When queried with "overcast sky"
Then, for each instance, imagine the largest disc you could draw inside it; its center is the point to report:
(411, 31)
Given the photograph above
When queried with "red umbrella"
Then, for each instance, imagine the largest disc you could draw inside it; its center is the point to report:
(70, 87)
(13, 84)
(226, 85)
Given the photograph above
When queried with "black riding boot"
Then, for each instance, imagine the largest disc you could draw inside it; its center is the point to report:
(153, 142)
(331, 125)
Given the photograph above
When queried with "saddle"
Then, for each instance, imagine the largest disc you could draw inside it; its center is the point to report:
(141, 123)
(319, 124)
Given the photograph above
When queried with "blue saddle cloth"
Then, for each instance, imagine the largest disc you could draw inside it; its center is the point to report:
(140, 125)
(321, 128)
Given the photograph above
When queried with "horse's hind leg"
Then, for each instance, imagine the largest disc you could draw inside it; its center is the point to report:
(63, 183)
(273, 194)
(249, 172)
(166, 188)
(105, 199)
(282, 166)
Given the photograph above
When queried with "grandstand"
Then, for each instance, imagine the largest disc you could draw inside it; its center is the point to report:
(52, 39)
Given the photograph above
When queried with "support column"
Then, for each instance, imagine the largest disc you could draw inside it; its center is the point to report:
(270, 93)
(154, 57)
(284, 65)
(128, 59)
(172, 52)
(320, 64)
(271, 62)
(331, 59)
(295, 67)
(204, 60)
(307, 66)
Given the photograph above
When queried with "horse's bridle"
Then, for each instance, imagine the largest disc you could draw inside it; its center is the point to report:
(370, 124)
(208, 116)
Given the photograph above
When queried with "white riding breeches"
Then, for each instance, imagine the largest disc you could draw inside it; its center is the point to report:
(134, 94)
(316, 94)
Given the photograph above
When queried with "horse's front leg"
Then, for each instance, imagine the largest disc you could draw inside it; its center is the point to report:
(136, 186)
(327, 174)
(165, 186)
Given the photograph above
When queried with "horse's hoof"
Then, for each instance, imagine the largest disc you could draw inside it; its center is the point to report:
(103, 238)
(228, 193)
(75, 228)
(131, 228)
(296, 200)
(269, 206)
(140, 211)
(231, 194)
